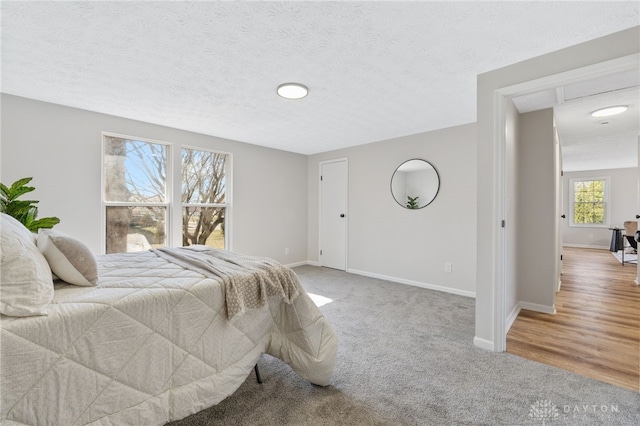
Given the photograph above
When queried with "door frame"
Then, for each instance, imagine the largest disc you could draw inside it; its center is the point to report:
(346, 208)
(637, 280)
(500, 98)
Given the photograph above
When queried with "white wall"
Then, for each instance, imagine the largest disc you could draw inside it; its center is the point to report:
(61, 148)
(412, 246)
(623, 205)
(512, 124)
(489, 183)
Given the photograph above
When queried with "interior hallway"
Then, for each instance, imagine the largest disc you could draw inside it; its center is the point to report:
(596, 331)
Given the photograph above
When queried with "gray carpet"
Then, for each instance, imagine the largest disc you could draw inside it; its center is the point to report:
(406, 357)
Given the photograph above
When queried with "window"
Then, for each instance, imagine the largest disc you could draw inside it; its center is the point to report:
(140, 195)
(589, 201)
(135, 194)
(204, 181)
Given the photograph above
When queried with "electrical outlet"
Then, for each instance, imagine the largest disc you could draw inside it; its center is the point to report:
(447, 267)
(286, 250)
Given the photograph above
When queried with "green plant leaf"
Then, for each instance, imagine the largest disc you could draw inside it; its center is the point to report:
(18, 192)
(19, 208)
(45, 222)
(20, 182)
(25, 211)
(19, 188)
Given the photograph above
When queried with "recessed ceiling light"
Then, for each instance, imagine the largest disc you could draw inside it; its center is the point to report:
(612, 110)
(292, 91)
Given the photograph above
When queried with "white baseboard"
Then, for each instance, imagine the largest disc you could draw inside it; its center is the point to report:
(483, 343)
(459, 292)
(586, 246)
(512, 317)
(456, 291)
(303, 263)
(537, 307)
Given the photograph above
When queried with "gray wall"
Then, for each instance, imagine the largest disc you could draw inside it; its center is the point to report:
(388, 241)
(530, 268)
(623, 206)
(275, 193)
(61, 148)
(536, 233)
(489, 183)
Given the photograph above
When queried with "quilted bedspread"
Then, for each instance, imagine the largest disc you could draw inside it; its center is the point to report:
(151, 343)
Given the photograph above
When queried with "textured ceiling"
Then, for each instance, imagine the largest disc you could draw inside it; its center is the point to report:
(590, 143)
(375, 70)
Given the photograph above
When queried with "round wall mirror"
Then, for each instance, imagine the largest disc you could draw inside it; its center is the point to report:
(415, 184)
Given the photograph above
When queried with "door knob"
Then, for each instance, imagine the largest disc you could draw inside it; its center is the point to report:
(638, 216)
(563, 216)
(341, 214)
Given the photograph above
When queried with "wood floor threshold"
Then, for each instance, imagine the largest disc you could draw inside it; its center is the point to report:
(595, 358)
(564, 326)
(575, 361)
(596, 329)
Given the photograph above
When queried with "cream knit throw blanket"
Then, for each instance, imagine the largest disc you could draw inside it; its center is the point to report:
(248, 280)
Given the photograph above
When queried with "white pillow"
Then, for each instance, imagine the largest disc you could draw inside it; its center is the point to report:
(26, 286)
(68, 258)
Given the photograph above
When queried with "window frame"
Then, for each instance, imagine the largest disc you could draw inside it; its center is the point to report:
(173, 191)
(607, 196)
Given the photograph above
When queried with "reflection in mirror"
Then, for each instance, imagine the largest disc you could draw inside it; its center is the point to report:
(415, 184)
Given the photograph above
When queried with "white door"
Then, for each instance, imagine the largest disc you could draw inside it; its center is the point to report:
(333, 214)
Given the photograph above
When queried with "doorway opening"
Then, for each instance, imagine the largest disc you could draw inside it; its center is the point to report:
(502, 96)
(587, 290)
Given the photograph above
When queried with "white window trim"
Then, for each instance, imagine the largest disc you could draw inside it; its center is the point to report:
(607, 204)
(168, 189)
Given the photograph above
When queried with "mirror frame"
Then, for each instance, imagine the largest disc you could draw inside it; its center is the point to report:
(434, 195)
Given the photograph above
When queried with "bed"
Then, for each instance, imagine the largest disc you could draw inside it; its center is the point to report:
(147, 337)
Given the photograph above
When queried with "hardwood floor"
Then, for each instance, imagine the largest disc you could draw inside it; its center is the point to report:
(596, 330)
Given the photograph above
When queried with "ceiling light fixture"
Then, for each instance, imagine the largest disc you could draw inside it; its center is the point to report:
(608, 111)
(292, 90)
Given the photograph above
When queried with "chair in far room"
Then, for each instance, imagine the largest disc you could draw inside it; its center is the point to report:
(630, 229)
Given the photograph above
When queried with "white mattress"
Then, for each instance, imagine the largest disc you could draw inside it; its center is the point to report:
(150, 344)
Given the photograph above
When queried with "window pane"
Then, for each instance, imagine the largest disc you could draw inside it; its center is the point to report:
(592, 190)
(589, 202)
(135, 228)
(203, 177)
(135, 171)
(589, 213)
(203, 225)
